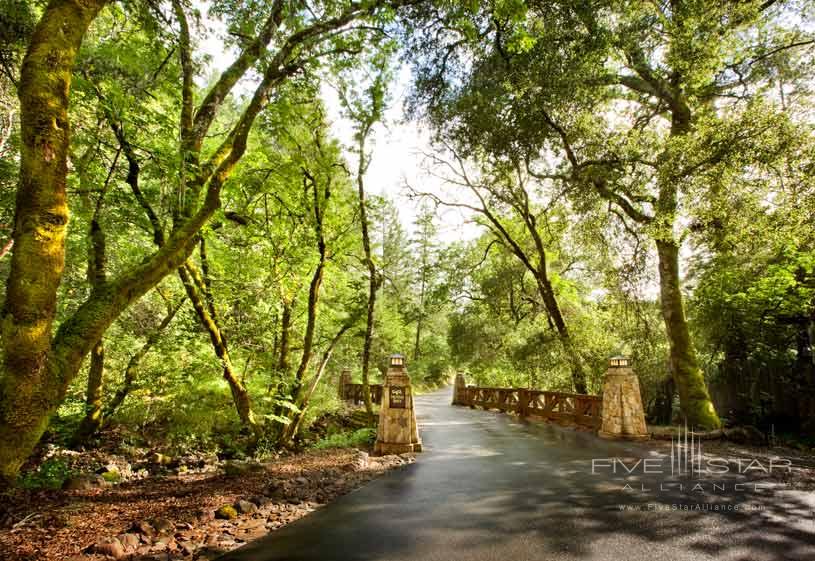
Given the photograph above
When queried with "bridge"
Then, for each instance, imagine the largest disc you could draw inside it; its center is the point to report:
(492, 486)
(580, 409)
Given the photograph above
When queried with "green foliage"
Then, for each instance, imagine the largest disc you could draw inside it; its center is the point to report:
(361, 438)
(51, 474)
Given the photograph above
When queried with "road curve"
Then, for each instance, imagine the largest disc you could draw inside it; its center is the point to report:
(490, 487)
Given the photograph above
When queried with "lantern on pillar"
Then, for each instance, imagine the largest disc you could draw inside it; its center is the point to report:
(619, 361)
(397, 361)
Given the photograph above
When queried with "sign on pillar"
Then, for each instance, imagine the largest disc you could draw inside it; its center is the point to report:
(397, 432)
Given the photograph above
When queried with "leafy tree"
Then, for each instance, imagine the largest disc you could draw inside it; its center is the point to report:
(624, 102)
(39, 365)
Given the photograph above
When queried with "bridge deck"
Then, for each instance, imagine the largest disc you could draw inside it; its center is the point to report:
(490, 487)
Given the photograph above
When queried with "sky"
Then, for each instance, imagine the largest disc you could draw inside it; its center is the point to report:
(398, 151)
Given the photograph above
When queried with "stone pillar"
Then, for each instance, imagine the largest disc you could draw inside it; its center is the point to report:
(623, 415)
(397, 432)
(458, 389)
(345, 378)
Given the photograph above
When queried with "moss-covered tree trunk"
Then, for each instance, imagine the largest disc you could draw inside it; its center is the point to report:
(38, 365)
(194, 287)
(373, 275)
(92, 421)
(694, 399)
(688, 377)
(29, 382)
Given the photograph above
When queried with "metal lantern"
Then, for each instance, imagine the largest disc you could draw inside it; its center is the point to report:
(397, 361)
(619, 361)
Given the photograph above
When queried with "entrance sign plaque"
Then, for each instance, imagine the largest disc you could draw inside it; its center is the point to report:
(397, 397)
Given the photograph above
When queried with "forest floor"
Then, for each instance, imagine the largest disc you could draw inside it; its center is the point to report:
(193, 507)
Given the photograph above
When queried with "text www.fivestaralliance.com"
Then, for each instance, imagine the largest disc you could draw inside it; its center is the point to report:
(691, 507)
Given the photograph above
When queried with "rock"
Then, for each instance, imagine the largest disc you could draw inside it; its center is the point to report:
(129, 541)
(361, 460)
(301, 481)
(245, 507)
(159, 459)
(112, 476)
(84, 482)
(259, 500)
(275, 489)
(144, 528)
(234, 468)
(187, 548)
(226, 512)
(163, 526)
(111, 547)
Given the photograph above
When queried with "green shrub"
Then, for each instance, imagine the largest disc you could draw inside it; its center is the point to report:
(348, 439)
(51, 474)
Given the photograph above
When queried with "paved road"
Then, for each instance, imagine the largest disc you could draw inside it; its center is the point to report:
(489, 487)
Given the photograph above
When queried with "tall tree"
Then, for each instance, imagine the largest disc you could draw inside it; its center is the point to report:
(665, 74)
(424, 242)
(502, 201)
(38, 365)
(366, 109)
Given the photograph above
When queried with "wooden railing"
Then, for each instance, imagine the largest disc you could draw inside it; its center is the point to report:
(353, 392)
(581, 409)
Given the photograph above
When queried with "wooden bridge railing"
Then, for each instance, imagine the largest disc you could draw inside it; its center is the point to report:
(353, 392)
(581, 409)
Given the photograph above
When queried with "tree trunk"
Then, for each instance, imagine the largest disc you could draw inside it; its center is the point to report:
(97, 276)
(135, 360)
(302, 403)
(690, 382)
(572, 354)
(419, 320)
(285, 335)
(373, 279)
(296, 392)
(369, 335)
(30, 383)
(193, 285)
(92, 421)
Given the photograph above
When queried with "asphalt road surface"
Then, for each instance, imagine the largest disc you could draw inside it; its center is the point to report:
(490, 487)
